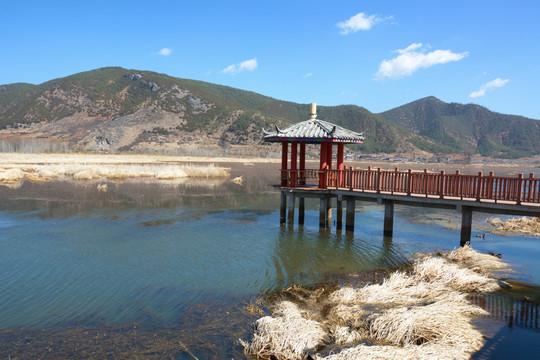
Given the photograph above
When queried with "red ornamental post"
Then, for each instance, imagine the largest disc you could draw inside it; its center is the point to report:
(520, 188)
(441, 185)
(479, 186)
(340, 164)
(284, 155)
(294, 157)
(322, 165)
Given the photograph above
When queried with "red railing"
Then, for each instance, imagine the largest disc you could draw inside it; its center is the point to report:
(479, 187)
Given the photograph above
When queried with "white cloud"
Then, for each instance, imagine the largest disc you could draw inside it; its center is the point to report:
(248, 65)
(164, 52)
(410, 48)
(413, 58)
(309, 74)
(497, 83)
(360, 21)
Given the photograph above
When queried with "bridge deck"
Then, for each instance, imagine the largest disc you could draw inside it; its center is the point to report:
(464, 193)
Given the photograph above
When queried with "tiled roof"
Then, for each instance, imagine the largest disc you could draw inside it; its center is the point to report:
(314, 131)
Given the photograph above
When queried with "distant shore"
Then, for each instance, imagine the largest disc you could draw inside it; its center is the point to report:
(87, 166)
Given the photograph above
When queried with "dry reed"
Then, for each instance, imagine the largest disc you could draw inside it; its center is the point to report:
(399, 289)
(424, 314)
(444, 322)
(413, 352)
(238, 180)
(43, 172)
(525, 225)
(287, 335)
(483, 263)
(436, 269)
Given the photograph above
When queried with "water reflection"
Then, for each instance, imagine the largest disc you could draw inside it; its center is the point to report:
(302, 256)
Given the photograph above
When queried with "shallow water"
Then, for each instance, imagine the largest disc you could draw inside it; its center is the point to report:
(153, 256)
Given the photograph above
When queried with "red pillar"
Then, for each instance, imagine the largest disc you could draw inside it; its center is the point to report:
(294, 156)
(340, 156)
(329, 155)
(323, 156)
(284, 154)
(340, 163)
(323, 164)
(302, 163)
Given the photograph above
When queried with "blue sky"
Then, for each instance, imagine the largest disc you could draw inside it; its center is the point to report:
(375, 54)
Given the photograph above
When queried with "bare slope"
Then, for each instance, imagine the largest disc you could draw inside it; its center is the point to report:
(116, 109)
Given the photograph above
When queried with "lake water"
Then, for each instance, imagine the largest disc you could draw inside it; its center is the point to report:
(150, 266)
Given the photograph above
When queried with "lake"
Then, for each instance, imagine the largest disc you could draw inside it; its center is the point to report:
(166, 269)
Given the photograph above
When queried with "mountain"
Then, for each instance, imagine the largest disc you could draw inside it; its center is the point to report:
(467, 128)
(122, 110)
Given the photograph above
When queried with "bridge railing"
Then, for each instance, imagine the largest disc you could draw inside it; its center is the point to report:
(453, 185)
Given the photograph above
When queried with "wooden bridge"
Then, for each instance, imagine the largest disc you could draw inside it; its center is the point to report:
(465, 193)
(518, 195)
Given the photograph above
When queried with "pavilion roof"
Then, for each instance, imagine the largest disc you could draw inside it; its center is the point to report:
(313, 131)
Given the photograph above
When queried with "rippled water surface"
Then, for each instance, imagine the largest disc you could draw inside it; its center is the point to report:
(74, 257)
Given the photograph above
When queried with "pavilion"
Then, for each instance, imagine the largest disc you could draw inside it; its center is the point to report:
(312, 131)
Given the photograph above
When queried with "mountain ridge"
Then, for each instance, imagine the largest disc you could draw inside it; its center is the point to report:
(127, 110)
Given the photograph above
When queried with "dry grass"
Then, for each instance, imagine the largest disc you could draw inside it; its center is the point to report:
(398, 289)
(524, 225)
(238, 180)
(85, 167)
(439, 270)
(444, 322)
(413, 352)
(483, 263)
(20, 158)
(286, 335)
(424, 314)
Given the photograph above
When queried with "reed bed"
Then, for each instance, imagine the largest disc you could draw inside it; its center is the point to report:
(483, 263)
(524, 225)
(419, 324)
(439, 270)
(93, 171)
(420, 314)
(399, 289)
(410, 352)
(286, 335)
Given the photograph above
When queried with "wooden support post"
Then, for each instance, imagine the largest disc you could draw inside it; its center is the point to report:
(339, 213)
(466, 225)
(351, 211)
(329, 212)
(388, 218)
(290, 215)
(322, 212)
(283, 208)
(301, 210)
